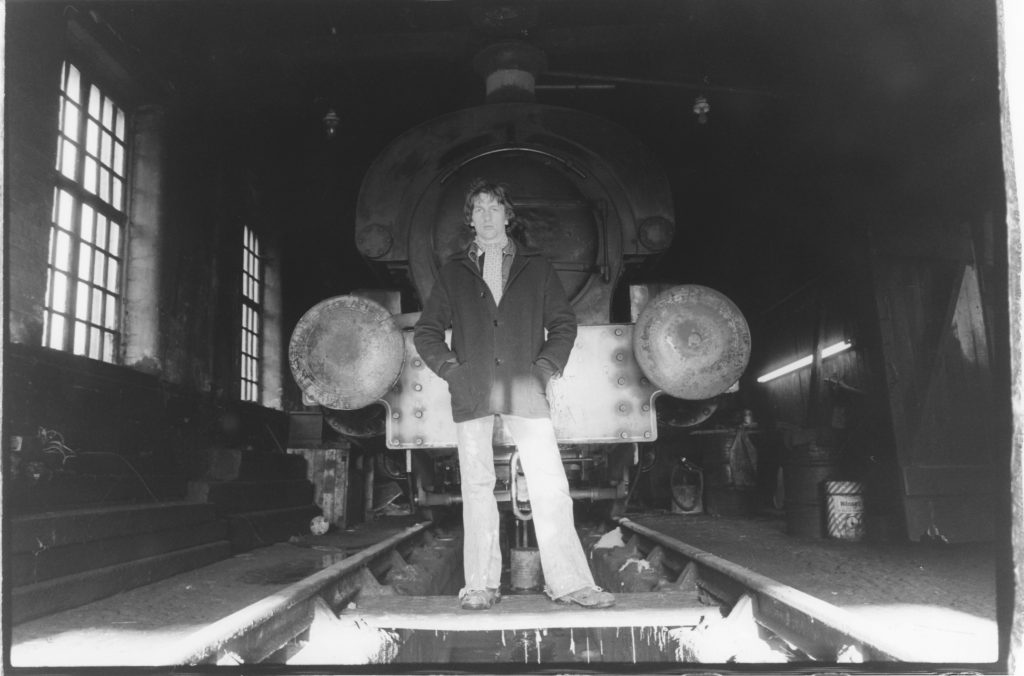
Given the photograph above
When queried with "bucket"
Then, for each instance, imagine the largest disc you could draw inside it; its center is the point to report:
(806, 469)
(525, 573)
(845, 500)
(686, 483)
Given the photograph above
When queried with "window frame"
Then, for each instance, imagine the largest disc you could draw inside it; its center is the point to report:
(103, 323)
(250, 361)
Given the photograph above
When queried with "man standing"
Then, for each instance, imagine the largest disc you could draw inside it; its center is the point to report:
(498, 297)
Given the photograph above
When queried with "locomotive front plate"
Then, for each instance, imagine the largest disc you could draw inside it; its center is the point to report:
(602, 396)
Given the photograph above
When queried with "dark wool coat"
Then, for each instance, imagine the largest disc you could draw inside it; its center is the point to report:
(492, 366)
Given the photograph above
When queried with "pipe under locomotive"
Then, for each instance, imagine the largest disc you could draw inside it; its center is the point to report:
(594, 200)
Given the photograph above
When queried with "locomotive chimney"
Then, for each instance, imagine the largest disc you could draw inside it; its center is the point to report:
(510, 70)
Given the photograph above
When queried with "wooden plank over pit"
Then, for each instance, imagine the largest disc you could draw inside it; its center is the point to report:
(530, 611)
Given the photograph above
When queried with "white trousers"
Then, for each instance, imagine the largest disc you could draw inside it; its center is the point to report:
(561, 554)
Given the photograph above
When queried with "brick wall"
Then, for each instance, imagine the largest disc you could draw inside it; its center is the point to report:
(156, 412)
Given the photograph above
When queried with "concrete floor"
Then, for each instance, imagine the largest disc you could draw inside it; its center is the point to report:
(938, 599)
(941, 600)
(139, 626)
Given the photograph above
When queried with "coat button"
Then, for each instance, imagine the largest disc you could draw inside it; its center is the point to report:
(495, 322)
(498, 362)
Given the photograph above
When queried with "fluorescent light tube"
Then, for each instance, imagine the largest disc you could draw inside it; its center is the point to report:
(833, 349)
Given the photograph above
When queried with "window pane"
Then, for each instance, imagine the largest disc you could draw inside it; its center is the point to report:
(92, 138)
(94, 102)
(59, 299)
(108, 347)
(119, 128)
(114, 246)
(105, 185)
(73, 87)
(116, 198)
(107, 154)
(94, 343)
(108, 113)
(60, 154)
(69, 124)
(97, 269)
(88, 215)
(80, 335)
(119, 159)
(89, 180)
(110, 316)
(84, 261)
(56, 337)
(97, 307)
(101, 232)
(68, 159)
(64, 207)
(62, 254)
(82, 301)
(112, 275)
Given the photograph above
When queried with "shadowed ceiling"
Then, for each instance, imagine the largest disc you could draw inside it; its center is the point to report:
(812, 105)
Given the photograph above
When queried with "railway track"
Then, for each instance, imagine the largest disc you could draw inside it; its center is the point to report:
(393, 603)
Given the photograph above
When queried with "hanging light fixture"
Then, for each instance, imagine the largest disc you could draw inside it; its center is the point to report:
(331, 122)
(701, 108)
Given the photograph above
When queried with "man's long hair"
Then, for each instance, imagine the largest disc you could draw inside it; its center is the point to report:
(500, 192)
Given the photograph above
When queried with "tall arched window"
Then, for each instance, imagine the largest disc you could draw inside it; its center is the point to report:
(87, 236)
(252, 316)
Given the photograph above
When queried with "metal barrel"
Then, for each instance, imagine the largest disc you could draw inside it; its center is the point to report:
(346, 352)
(692, 342)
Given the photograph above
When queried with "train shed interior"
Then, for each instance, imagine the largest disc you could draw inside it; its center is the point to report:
(186, 179)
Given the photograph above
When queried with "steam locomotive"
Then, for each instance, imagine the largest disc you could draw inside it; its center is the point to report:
(595, 201)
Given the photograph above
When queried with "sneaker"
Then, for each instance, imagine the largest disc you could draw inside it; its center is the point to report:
(589, 597)
(478, 599)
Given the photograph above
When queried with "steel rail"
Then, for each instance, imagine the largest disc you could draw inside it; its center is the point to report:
(816, 627)
(246, 632)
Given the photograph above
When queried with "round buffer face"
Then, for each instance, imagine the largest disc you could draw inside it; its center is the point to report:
(692, 342)
(346, 352)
